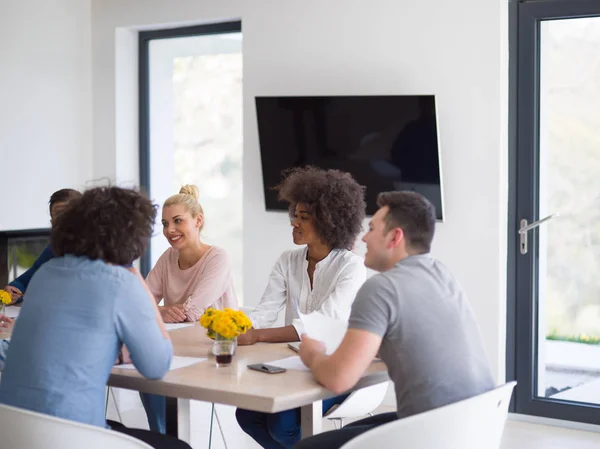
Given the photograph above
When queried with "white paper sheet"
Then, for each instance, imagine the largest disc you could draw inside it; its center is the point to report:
(173, 326)
(12, 311)
(325, 329)
(292, 362)
(176, 363)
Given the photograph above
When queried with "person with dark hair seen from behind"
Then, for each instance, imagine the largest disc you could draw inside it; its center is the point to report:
(57, 204)
(82, 307)
(414, 314)
(327, 208)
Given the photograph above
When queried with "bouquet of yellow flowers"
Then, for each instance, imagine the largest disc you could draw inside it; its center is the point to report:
(228, 323)
(5, 297)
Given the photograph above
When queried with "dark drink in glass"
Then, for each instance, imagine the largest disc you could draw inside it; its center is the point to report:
(224, 359)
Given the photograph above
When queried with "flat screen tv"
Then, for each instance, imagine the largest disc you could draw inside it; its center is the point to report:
(385, 142)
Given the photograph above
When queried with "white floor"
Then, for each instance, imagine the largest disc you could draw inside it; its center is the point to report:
(517, 435)
(521, 435)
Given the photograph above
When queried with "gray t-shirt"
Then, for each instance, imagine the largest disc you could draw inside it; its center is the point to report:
(431, 342)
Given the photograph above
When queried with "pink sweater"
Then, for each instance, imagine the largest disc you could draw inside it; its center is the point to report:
(209, 283)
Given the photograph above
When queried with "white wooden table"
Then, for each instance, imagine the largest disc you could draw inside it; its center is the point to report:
(237, 385)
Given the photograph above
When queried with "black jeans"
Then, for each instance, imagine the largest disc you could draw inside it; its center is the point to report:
(337, 438)
(154, 439)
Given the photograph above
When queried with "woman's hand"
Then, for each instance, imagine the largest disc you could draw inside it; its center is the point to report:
(249, 338)
(126, 355)
(123, 357)
(173, 314)
(14, 292)
(5, 321)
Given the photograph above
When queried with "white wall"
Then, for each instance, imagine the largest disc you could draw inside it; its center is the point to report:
(45, 105)
(457, 52)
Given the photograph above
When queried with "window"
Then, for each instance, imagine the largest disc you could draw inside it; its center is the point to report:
(191, 129)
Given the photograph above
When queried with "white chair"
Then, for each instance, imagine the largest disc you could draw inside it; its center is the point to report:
(23, 429)
(475, 423)
(360, 403)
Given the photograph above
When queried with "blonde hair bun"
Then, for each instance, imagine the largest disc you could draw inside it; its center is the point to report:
(188, 196)
(191, 190)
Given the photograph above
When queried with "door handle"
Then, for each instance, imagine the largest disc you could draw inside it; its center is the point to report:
(525, 228)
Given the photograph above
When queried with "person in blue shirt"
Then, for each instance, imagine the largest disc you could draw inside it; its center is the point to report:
(57, 204)
(82, 307)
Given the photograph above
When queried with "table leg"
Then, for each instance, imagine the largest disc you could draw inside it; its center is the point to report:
(178, 418)
(171, 417)
(184, 420)
(311, 419)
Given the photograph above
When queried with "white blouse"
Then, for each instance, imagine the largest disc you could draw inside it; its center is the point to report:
(336, 281)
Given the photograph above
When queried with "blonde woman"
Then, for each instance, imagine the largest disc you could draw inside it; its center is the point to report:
(190, 276)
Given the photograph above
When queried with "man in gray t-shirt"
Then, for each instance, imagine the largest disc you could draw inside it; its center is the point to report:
(414, 314)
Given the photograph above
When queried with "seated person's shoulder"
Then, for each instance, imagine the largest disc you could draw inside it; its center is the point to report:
(216, 253)
(350, 257)
(292, 255)
(85, 271)
(119, 274)
(376, 285)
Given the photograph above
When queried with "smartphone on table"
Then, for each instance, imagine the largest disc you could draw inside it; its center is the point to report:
(269, 369)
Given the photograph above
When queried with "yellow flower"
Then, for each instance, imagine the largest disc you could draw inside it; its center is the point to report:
(5, 297)
(228, 322)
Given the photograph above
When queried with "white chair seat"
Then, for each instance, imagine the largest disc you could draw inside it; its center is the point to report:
(359, 403)
(23, 429)
(475, 423)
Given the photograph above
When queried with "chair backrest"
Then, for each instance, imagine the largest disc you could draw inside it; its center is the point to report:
(360, 402)
(23, 429)
(475, 423)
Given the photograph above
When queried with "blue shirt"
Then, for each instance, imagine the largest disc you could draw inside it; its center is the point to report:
(23, 281)
(77, 314)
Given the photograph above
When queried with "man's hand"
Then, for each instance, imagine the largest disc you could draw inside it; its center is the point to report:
(341, 370)
(172, 314)
(249, 338)
(5, 321)
(309, 349)
(14, 292)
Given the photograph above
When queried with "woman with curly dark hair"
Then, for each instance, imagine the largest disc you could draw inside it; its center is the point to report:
(327, 208)
(82, 306)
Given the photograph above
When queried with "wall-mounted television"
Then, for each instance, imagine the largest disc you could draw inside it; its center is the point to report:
(386, 142)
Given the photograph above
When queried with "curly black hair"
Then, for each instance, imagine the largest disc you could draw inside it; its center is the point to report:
(336, 200)
(108, 223)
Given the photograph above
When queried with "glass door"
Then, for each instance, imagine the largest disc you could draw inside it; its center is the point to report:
(557, 259)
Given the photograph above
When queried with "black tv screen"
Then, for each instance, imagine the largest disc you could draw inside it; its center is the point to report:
(386, 142)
